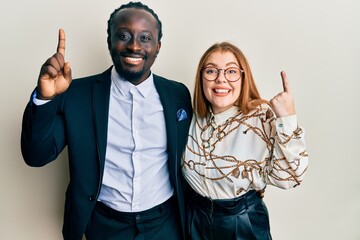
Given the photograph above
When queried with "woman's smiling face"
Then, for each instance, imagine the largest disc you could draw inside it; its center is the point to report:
(221, 93)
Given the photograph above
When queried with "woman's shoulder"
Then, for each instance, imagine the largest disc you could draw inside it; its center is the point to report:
(263, 110)
(262, 107)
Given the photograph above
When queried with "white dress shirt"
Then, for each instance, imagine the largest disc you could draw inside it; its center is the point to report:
(136, 175)
(230, 153)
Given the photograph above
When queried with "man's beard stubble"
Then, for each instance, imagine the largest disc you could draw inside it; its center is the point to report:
(127, 74)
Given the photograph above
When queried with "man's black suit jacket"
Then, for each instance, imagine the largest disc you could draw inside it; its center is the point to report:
(78, 119)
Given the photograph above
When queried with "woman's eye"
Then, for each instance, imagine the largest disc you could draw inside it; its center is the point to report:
(210, 71)
(232, 71)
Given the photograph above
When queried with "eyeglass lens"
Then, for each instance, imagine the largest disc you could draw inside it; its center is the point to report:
(231, 74)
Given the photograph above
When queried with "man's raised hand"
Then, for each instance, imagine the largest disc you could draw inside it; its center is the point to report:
(55, 74)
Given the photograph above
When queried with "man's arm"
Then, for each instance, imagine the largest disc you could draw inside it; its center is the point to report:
(42, 136)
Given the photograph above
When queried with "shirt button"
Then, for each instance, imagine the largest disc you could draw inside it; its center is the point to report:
(92, 198)
(137, 217)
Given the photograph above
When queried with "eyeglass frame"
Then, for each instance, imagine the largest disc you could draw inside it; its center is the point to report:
(224, 70)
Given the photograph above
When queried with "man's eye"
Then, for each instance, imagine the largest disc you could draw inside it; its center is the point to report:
(123, 36)
(145, 38)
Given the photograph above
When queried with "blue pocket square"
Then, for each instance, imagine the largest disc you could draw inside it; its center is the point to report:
(181, 115)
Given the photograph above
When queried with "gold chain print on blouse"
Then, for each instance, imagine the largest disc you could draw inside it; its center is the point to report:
(203, 159)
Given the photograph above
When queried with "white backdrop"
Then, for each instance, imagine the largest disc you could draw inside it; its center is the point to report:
(316, 42)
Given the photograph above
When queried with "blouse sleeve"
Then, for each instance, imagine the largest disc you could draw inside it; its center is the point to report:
(288, 158)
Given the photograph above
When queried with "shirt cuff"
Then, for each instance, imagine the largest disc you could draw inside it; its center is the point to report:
(286, 124)
(38, 102)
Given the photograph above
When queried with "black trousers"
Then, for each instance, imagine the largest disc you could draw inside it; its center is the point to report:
(160, 222)
(243, 218)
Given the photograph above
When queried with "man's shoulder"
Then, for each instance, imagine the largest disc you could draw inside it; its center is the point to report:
(169, 87)
(99, 77)
(166, 81)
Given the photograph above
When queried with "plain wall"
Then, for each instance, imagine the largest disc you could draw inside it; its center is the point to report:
(316, 42)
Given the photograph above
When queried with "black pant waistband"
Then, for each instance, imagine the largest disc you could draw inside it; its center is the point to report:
(152, 212)
(226, 206)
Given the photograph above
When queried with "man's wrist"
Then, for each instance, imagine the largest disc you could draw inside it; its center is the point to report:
(38, 101)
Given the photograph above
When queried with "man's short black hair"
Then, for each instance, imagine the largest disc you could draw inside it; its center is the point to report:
(136, 5)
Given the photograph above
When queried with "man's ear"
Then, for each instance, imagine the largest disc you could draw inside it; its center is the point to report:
(158, 48)
(109, 43)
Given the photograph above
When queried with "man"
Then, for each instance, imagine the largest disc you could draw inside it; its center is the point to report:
(125, 130)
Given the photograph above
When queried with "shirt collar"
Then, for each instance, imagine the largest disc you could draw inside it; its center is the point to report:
(125, 86)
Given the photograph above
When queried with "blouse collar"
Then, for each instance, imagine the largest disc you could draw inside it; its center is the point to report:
(220, 118)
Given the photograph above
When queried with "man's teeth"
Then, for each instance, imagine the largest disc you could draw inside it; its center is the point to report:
(222, 90)
(134, 59)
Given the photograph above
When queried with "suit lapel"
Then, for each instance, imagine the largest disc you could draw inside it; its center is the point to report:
(101, 93)
(170, 119)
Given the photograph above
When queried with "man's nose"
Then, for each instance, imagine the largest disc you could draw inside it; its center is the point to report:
(134, 45)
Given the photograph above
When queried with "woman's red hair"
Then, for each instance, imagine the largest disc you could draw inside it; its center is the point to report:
(249, 97)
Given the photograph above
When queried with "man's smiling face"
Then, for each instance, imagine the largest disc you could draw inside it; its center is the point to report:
(134, 44)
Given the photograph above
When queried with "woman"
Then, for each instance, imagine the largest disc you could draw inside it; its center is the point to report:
(238, 144)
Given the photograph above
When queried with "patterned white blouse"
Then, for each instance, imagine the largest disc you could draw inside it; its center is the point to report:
(230, 153)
